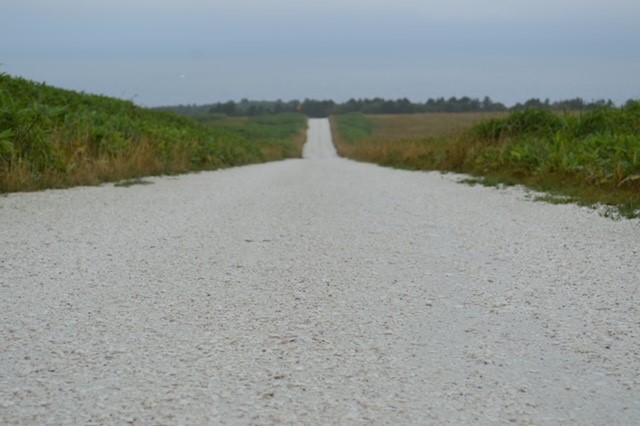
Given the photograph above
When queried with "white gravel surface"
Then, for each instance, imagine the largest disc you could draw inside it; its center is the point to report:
(315, 291)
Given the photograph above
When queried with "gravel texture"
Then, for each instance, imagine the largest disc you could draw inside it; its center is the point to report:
(315, 291)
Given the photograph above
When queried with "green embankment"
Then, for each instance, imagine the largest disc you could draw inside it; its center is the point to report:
(52, 138)
(589, 158)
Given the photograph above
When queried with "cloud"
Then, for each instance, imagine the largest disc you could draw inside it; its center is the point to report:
(440, 41)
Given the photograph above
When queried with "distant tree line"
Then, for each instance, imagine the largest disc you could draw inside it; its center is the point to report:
(324, 108)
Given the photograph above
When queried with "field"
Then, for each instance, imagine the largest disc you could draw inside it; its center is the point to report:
(417, 141)
(54, 138)
(592, 158)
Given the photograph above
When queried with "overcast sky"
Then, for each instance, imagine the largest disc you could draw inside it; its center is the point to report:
(164, 52)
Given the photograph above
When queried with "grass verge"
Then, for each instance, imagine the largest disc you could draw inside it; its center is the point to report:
(591, 158)
(54, 138)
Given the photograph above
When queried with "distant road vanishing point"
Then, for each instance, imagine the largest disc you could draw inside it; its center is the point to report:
(317, 291)
(319, 141)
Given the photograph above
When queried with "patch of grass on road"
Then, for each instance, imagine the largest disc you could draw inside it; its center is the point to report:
(131, 182)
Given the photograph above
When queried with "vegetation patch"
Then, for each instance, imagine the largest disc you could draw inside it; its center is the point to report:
(488, 182)
(591, 158)
(130, 182)
(354, 127)
(52, 138)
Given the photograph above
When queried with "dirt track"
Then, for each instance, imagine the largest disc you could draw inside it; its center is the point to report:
(315, 291)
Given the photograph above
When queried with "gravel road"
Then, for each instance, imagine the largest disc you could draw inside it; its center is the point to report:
(315, 291)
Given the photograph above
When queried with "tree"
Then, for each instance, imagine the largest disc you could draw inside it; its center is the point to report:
(228, 108)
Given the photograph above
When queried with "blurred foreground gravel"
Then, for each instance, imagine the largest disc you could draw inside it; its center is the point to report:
(315, 291)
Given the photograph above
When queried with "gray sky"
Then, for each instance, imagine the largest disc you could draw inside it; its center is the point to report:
(163, 52)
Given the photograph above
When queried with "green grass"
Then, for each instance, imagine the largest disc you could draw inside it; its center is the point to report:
(279, 136)
(130, 182)
(53, 138)
(488, 182)
(354, 127)
(592, 158)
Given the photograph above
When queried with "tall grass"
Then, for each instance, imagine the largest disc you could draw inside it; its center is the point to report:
(591, 157)
(53, 138)
(419, 141)
(599, 148)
